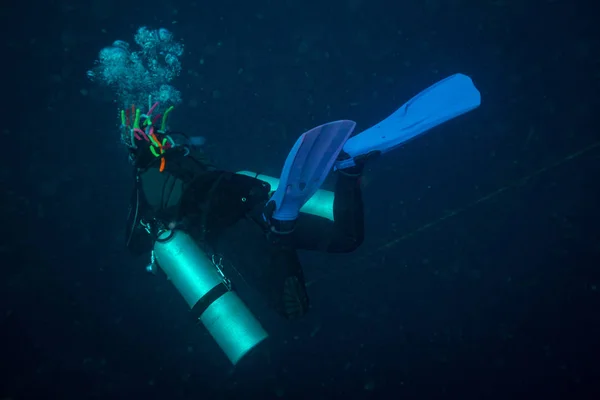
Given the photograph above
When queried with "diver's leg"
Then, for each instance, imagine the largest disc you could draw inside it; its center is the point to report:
(283, 279)
(347, 232)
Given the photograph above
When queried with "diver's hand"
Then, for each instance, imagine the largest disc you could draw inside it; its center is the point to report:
(196, 141)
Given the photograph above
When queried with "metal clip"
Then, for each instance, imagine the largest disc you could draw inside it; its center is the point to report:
(146, 226)
(151, 268)
(219, 265)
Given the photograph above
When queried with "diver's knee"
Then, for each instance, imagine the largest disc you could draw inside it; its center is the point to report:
(347, 244)
(354, 243)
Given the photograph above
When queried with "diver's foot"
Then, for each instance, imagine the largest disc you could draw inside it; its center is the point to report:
(359, 162)
(281, 227)
(275, 225)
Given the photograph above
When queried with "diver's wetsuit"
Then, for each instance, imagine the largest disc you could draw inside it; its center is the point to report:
(205, 201)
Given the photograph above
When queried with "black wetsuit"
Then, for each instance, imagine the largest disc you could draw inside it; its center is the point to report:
(206, 202)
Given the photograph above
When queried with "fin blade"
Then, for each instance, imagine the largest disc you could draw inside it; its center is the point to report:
(444, 100)
(307, 166)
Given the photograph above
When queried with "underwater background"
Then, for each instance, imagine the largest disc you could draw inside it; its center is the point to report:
(479, 277)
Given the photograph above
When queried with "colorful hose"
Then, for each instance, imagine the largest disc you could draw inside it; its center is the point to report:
(163, 125)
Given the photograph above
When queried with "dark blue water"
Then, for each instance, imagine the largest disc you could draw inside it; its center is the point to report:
(479, 277)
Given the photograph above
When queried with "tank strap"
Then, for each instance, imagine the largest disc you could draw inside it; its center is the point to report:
(209, 298)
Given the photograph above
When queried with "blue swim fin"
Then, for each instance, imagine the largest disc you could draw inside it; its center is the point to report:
(306, 167)
(435, 105)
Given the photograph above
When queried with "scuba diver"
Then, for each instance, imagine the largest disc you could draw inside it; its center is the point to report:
(178, 188)
(185, 211)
